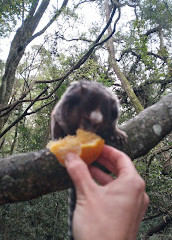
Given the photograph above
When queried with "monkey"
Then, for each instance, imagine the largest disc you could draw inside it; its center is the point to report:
(90, 106)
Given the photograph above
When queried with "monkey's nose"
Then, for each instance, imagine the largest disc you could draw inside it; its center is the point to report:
(96, 117)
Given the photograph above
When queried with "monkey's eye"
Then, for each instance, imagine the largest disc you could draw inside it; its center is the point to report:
(73, 100)
(114, 113)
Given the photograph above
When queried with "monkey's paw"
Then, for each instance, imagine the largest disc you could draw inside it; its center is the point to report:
(119, 136)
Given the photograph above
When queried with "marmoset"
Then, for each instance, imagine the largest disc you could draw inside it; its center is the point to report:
(90, 106)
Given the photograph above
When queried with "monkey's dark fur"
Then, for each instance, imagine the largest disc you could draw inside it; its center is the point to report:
(90, 106)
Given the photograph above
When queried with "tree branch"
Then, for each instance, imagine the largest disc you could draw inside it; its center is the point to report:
(25, 113)
(130, 50)
(29, 175)
(148, 128)
(124, 4)
(153, 30)
(46, 26)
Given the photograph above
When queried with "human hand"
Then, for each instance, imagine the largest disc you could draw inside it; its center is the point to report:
(114, 209)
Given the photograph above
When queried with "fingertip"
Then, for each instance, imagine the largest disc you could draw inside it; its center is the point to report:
(73, 164)
(69, 158)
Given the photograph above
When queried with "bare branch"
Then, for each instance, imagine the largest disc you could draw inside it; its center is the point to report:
(40, 108)
(12, 106)
(23, 114)
(151, 217)
(76, 39)
(153, 30)
(166, 80)
(119, 5)
(130, 50)
(84, 1)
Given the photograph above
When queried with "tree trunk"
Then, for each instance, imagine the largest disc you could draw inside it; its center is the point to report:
(124, 82)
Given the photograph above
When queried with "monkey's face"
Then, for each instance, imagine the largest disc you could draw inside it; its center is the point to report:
(90, 109)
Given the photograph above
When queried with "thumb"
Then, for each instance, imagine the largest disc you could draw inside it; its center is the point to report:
(79, 174)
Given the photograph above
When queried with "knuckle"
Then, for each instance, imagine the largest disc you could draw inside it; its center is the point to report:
(138, 184)
(123, 155)
(147, 200)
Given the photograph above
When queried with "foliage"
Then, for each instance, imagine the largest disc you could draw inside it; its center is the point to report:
(43, 218)
(157, 12)
(157, 171)
(10, 11)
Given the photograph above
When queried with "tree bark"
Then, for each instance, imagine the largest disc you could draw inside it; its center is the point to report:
(30, 175)
(148, 128)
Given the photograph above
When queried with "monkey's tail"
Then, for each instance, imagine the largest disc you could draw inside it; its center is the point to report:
(72, 204)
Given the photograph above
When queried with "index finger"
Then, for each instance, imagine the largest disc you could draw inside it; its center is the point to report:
(116, 161)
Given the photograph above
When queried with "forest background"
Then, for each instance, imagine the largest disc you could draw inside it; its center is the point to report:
(126, 45)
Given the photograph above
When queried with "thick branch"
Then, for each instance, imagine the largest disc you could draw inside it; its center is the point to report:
(29, 175)
(148, 128)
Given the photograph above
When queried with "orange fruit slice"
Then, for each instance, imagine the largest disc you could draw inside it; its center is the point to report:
(86, 145)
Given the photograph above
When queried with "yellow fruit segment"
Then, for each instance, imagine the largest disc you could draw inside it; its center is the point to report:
(85, 144)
